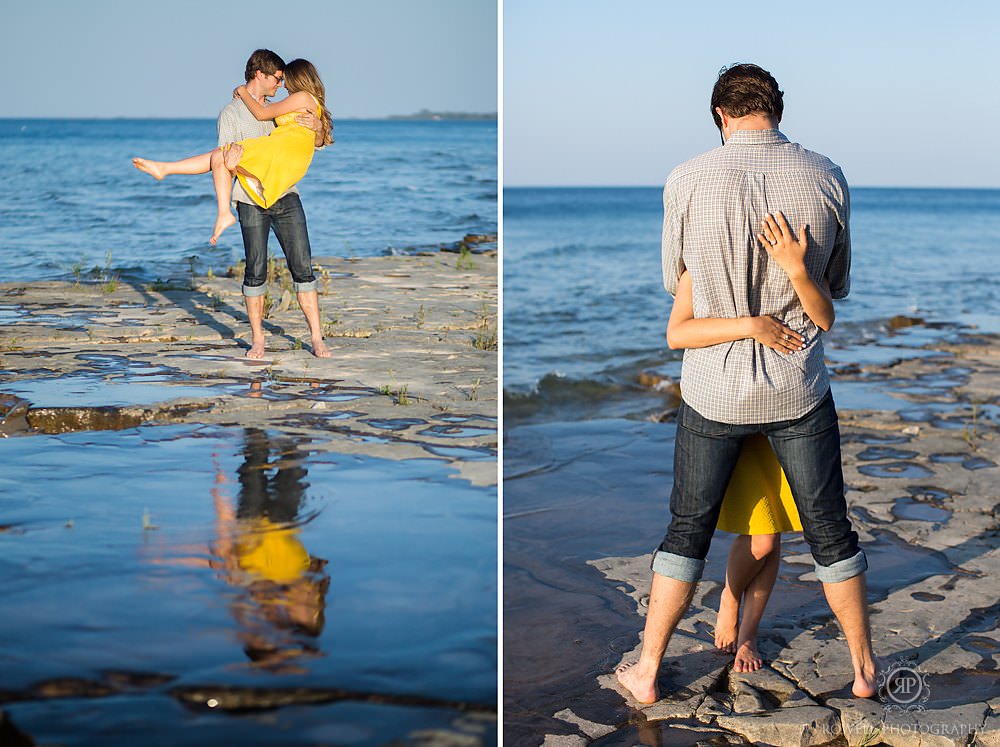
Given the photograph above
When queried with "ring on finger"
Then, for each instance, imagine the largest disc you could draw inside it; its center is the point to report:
(787, 336)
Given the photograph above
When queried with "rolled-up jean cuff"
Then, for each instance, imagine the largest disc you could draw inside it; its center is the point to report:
(677, 566)
(842, 570)
(304, 287)
(252, 291)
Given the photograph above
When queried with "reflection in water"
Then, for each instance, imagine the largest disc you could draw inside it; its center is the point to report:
(280, 589)
(282, 600)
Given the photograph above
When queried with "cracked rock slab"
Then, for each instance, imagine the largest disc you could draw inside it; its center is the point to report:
(805, 726)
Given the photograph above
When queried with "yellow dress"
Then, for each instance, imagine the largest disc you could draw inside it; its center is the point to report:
(758, 499)
(277, 161)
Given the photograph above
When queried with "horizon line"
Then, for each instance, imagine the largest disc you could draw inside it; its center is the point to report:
(660, 186)
(483, 117)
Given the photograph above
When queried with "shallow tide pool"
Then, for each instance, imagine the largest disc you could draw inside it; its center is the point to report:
(206, 580)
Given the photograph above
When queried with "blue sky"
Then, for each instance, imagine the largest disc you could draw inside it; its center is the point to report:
(898, 93)
(182, 58)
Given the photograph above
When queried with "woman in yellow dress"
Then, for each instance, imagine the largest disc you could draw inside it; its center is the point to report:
(758, 505)
(266, 166)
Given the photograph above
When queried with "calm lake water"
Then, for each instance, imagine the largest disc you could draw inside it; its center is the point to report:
(584, 304)
(384, 186)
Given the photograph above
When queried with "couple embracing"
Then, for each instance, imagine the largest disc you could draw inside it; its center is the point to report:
(758, 441)
(266, 148)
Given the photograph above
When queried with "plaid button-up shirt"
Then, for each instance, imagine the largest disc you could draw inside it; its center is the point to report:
(713, 206)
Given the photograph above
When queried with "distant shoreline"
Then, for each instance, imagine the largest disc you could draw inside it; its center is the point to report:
(422, 116)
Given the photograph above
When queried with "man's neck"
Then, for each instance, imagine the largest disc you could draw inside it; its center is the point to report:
(749, 122)
(255, 91)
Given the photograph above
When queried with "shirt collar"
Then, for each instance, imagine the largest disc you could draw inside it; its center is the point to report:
(757, 137)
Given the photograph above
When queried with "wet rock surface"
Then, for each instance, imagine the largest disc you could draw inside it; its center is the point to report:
(412, 339)
(214, 549)
(924, 495)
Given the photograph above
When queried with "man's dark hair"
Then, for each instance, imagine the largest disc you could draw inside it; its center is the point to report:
(264, 60)
(744, 89)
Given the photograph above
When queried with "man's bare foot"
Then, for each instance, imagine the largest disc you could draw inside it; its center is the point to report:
(726, 621)
(320, 350)
(256, 350)
(864, 685)
(640, 687)
(223, 222)
(747, 658)
(150, 167)
(232, 156)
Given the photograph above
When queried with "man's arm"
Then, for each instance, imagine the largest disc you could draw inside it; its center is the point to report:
(671, 254)
(838, 269)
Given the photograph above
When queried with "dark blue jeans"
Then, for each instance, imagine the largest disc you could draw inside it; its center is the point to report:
(288, 220)
(808, 450)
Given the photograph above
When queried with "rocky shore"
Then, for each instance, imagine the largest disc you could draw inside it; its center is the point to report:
(924, 494)
(412, 337)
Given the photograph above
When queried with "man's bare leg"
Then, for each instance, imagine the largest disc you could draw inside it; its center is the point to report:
(755, 597)
(849, 602)
(255, 312)
(668, 601)
(747, 558)
(309, 303)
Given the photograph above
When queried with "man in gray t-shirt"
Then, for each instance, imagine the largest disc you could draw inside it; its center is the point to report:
(714, 208)
(264, 74)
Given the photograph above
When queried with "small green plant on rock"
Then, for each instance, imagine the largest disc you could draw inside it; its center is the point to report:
(473, 394)
(77, 269)
(970, 433)
(486, 337)
(870, 737)
(330, 326)
(109, 280)
(465, 259)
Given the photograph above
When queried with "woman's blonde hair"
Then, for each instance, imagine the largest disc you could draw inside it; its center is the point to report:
(301, 75)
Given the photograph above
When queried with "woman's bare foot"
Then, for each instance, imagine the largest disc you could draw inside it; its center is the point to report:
(747, 658)
(232, 156)
(320, 350)
(641, 686)
(150, 167)
(223, 222)
(726, 622)
(256, 351)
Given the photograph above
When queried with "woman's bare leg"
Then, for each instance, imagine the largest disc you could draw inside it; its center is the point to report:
(223, 179)
(200, 164)
(755, 597)
(747, 557)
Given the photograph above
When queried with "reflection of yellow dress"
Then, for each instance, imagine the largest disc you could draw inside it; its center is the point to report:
(758, 499)
(269, 552)
(278, 161)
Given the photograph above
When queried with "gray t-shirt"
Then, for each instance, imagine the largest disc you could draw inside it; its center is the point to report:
(712, 209)
(237, 123)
